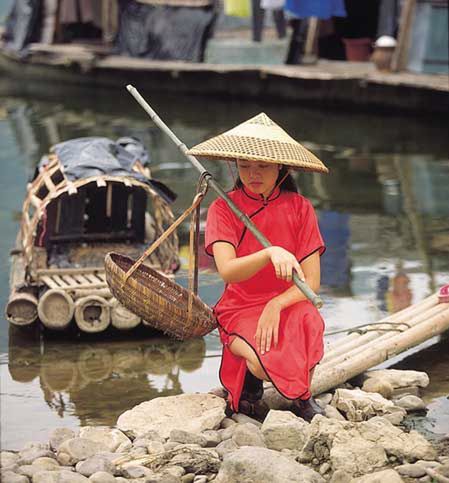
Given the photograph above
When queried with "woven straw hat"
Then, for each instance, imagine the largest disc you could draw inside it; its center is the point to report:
(259, 139)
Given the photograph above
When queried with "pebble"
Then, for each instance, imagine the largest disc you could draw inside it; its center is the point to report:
(200, 479)
(410, 403)
(324, 468)
(227, 422)
(11, 477)
(155, 447)
(243, 418)
(411, 470)
(102, 477)
(188, 478)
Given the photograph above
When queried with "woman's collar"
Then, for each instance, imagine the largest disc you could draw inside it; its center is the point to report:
(259, 197)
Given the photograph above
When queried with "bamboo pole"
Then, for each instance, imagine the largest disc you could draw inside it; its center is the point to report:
(378, 339)
(305, 289)
(402, 316)
(378, 353)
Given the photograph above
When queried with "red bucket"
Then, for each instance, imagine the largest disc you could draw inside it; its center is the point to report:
(358, 50)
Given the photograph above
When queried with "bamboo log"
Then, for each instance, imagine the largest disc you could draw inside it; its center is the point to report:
(378, 337)
(92, 314)
(21, 308)
(344, 344)
(121, 317)
(378, 353)
(78, 293)
(55, 309)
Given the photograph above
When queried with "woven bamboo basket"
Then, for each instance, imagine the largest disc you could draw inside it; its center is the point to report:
(158, 300)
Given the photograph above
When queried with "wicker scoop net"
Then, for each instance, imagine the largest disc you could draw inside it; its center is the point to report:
(159, 301)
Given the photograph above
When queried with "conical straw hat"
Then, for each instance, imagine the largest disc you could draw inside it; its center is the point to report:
(259, 139)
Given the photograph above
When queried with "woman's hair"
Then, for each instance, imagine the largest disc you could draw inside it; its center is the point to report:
(287, 185)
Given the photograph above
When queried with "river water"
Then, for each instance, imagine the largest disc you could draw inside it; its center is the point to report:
(383, 212)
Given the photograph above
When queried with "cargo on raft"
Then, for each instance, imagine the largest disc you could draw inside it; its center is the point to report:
(88, 197)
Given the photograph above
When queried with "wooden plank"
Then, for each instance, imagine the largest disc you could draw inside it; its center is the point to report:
(69, 271)
(59, 281)
(70, 281)
(49, 281)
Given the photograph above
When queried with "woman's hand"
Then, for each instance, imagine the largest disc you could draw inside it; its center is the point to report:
(268, 327)
(284, 263)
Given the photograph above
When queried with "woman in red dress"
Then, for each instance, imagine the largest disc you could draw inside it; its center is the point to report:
(269, 330)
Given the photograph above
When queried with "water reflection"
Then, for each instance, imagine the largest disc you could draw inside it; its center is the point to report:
(97, 381)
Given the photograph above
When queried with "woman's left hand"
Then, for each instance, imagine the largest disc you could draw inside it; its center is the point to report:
(268, 327)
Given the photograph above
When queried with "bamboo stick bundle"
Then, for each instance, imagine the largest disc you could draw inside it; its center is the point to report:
(327, 378)
(378, 337)
(342, 345)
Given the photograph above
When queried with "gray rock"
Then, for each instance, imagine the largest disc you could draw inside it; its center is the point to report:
(324, 399)
(170, 445)
(152, 435)
(27, 456)
(188, 478)
(340, 476)
(429, 464)
(102, 477)
(95, 464)
(139, 451)
(228, 432)
(8, 458)
(406, 391)
(356, 456)
(124, 447)
(444, 470)
(333, 413)
(64, 459)
(177, 471)
(59, 435)
(11, 477)
(400, 378)
(111, 438)
(425, 479)
(274, 400)
(195, 459)
(226, 447)
(384, 476)
(243, 418)
(410, 403)
(193, 412)
(120, 479)
(180, 436)
(78, 449)
(212, 438)
(227, 422)
(136, 471)
(324, 468)
(155, 447)
(358, 405)
(59, 477)
(248, 435)
(39, 464)
(283, 430)
(411, 471)
(256, 465)
(140, 443)
(405, 446)
(376, 384)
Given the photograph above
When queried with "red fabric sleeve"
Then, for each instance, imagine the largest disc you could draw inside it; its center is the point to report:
(221, 225)
(310, 239)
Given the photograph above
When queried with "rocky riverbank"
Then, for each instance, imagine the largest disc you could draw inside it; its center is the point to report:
(187, 438)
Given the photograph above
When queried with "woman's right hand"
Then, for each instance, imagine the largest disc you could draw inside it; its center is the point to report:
(284, 263)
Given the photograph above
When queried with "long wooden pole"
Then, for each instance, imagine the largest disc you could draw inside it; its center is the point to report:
(305, 289)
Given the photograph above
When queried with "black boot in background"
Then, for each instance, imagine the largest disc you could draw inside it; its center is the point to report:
(297, 41)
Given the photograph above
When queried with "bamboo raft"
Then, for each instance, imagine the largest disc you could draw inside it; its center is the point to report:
(57, 273)
(363, 349)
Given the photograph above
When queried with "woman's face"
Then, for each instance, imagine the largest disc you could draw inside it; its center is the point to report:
(258, 177)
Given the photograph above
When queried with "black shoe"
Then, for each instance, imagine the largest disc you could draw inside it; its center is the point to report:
(257, 410)
(252, 388)
(306, 409)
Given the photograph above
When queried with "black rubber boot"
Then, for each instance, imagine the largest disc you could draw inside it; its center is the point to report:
(306, 408)
(251, 402)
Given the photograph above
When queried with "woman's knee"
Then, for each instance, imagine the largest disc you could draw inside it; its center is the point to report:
(256, 369)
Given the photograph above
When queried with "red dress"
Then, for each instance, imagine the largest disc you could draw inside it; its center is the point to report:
(288, 220)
